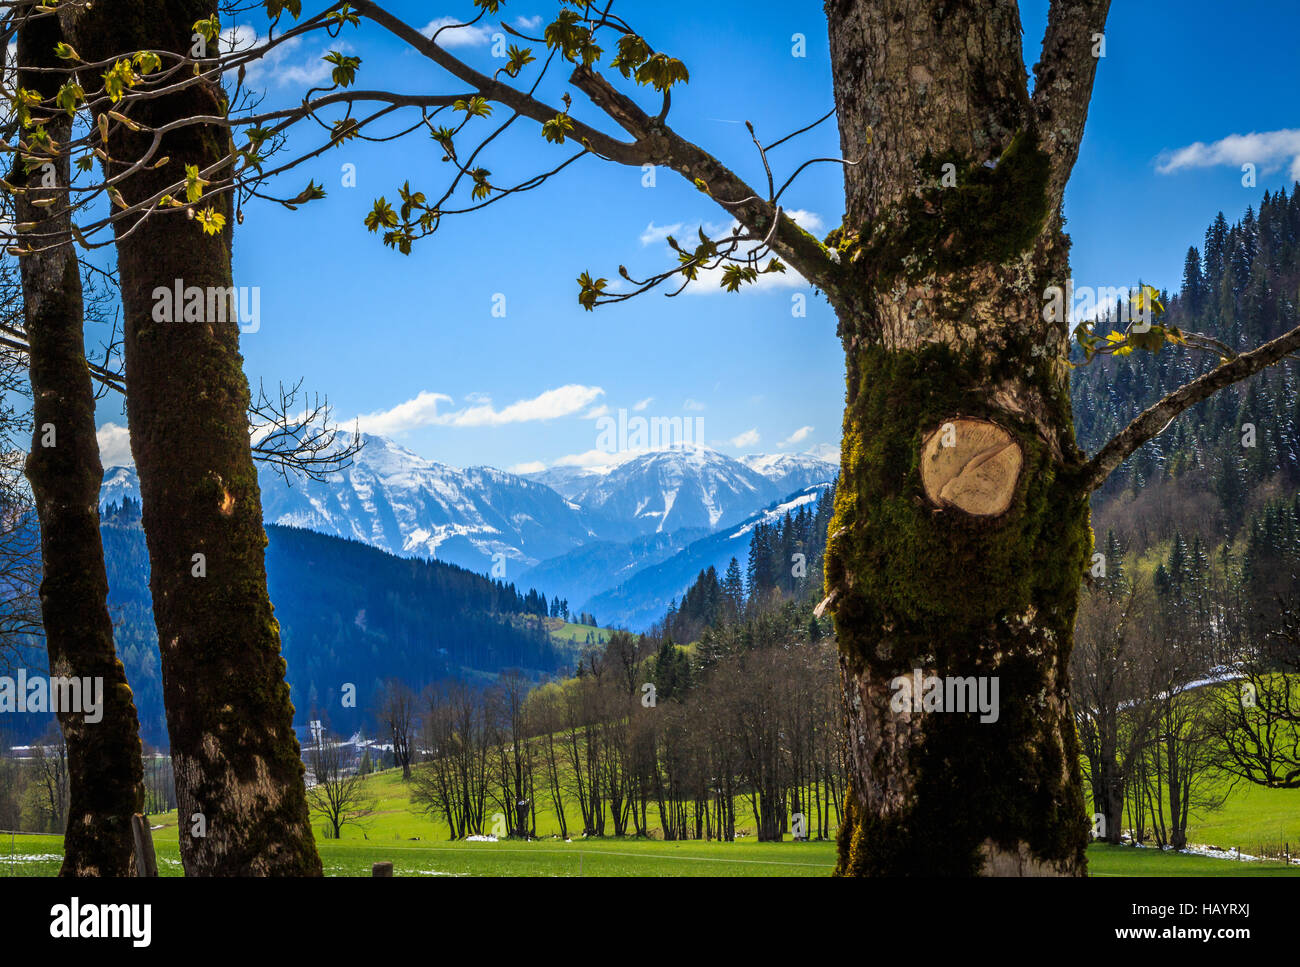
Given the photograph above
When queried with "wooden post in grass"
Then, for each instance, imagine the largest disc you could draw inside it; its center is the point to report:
(381, 869)
(146, 864)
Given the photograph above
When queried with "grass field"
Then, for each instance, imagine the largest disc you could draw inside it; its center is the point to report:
(418, 846)
(575, 634)
(40, 856)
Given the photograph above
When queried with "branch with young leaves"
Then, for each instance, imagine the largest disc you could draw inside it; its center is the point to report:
(1152, 421)
(575, 36)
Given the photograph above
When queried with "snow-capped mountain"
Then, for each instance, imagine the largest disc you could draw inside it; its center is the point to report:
(642, 599)
(666, 490)
(119, 484)
(566, 481)
(405, 504)
(400, 502)
(791, 471)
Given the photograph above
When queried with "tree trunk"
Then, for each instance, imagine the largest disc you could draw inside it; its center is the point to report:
(105, 769)
(959, 537)
(237, 760)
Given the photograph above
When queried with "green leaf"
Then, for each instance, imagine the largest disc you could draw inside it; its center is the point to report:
(476, 106)
(381, 216)
(274, 7)
(146, 61)
(632, 53)
(557, 128)
(212, 221)
(519, 58)
(662, 72)
(193, 184)
(590, 290)
(734, 276)
(69, 97)
(345, 67)
(208, 29)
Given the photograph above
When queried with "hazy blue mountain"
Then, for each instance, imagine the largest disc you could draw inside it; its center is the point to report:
(600, 565)
(642, 599)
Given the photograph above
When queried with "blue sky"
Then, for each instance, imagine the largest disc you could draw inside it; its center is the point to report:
(411, 344)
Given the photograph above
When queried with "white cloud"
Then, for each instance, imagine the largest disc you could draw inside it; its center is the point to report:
(808, 221)
(596, 412)
(286, 64)
(453, 36)
(114, 446)
(798, 436)
(423, 410)
(747, 439)
(659, 233)
(693, 405)
(642, 404)
(554, 403)
(528, 23)
(1267, 150)
(684, 232)
(825, 451)
(533, 466)
(598, 460)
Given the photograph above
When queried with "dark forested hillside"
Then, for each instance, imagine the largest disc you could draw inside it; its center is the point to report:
(349, 614)
(1213, 498)
(784, 562)
(1225, 458)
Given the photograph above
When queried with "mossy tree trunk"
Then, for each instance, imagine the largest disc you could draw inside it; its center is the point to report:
(239, 774)
(960, 531)
(105, 773)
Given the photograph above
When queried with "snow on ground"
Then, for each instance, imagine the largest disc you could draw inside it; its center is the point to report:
(1217, 853)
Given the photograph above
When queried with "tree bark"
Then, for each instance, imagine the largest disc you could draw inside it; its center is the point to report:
(105, 771)
(970, 567)
(237, 759)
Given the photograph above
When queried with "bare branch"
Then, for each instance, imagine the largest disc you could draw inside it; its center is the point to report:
(724, 186)
(295, 436)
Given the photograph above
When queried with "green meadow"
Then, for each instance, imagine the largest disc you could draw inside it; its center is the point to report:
(418, 845)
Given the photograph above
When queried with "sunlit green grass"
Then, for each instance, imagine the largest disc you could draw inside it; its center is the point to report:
(418, 845)
(39, 856)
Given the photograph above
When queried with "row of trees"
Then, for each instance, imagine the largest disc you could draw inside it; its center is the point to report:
(629, 748)
(34, 783)
(1181, 691)
(647, 735)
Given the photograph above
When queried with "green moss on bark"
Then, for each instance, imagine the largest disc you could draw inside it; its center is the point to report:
(990, 215)
(920, 587)
(229, 716)
(104, 757)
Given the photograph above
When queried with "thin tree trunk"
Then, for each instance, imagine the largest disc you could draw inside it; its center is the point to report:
(105, 768)
(236, 757)
(930, 564)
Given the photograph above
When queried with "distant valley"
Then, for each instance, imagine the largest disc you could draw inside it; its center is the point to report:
(580, 535)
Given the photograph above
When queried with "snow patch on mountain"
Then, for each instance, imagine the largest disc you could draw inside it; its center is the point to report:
(791, 471)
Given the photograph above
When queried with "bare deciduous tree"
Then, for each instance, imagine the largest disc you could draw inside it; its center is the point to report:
(336, 792)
